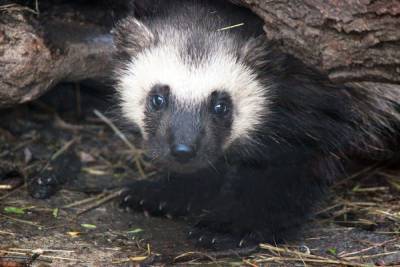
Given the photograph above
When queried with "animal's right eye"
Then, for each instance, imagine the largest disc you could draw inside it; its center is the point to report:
(220, 108)
(157, 102)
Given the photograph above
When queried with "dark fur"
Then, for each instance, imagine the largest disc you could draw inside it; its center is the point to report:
(263, 189)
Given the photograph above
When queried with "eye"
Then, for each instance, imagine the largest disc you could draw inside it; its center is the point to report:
(220, 108)
(221, 103)
(157, 102)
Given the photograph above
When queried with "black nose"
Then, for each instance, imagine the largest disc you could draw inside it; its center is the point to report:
(183, 153)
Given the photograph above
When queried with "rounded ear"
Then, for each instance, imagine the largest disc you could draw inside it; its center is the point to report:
(255, 52)
(261, 54)
(131, 37)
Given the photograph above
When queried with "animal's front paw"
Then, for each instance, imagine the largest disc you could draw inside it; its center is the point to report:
(214, 230)
(211, 240)
(154, 199)
(42, 187)
(220, 241)
(142, 197)
(49, 180)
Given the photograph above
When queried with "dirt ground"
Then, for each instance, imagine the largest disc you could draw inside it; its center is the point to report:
(81, 225)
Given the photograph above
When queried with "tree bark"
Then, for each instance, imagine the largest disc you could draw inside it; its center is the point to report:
(36, 52)
(350, 40)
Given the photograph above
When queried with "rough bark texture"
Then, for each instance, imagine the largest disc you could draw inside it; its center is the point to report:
(350, 40)
(37, 52)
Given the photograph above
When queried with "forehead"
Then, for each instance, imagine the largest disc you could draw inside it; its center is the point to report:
(189, 81)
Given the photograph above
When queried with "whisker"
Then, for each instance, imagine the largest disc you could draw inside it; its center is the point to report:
(213, 167)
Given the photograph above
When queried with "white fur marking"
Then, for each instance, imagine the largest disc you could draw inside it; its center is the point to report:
(192, 84)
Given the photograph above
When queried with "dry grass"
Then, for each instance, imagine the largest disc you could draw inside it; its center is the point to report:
(370, 204)
(368, 201)
(19, 8)
(356, 203)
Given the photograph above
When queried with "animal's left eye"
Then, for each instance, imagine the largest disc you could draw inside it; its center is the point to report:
(220, 108)
(157, 102)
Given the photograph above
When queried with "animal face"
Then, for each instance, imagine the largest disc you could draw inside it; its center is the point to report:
(191, 99)
(184, 137)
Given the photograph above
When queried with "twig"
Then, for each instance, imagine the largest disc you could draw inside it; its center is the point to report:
(43, 256)
(110, 197)
(37, 7)
(60, 123)
(86, 200)
(247, 262)
(41, 250)
(218, 255)
(5, 187)
(16, 7)
(124, 139)
(286, 250)
(343, 255)
(17, 189)
(63, 149)
(192, 254)
(6, 233)
(231, 27)
(372, 256)
(369, 170)
(323, 262)
(21, 221)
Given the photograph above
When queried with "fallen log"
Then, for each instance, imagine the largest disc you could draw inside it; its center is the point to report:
(36, 52)
(350, 40)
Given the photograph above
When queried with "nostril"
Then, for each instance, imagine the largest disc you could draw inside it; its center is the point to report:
(182, 152)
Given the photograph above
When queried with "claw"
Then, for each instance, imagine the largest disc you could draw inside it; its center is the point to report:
(189, 207)
(128, 209)
(162, 205)
(127, 198)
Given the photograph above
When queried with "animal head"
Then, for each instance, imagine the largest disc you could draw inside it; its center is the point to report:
(192, 93)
